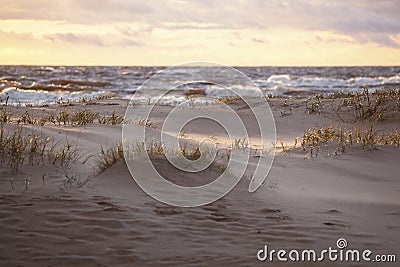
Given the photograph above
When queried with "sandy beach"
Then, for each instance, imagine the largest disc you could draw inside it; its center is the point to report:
(87, 214)
(199, 133)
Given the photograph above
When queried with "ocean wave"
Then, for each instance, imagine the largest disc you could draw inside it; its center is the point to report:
(52, 88)
(16, 96)
(174, 100)
(217, 91)
(64, 82)
(296, 82)
(29, 84)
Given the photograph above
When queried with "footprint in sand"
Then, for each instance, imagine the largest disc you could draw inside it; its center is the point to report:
(220, 217)
(331, 211)
(108, 206)
(167, 211)
(218, 213)
(269, 210)
(105, 203)
(274, 214)
(334, 224)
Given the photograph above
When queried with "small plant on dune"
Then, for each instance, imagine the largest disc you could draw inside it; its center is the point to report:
(229, 99)
(83, 117)
(5, 115)
(218, 166)
(155, 148)
(314, 138)
(152, 148)
(311, 140)
(16, 148)
(78, 118)
(315, 104)
(285, 150)
(26, 119)
(367, 137)
(240, 143)
(20, 147)
(286, 112)
(392, 138)
(109, 156)
(63, 117)
(190, 154)
(364, 106)
(146, 122)
(370, 105)
(48, 118)
(112, 120)
(93, 98)
(184, 134)
(66, 117)
(67, 153)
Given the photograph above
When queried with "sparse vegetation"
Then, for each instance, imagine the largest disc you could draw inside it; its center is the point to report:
(18, 148)
(112, 120)
(64, 117)
(240, 143)
(146, 122)
(26, 119)
(314, 104)
(314, 138)
(109, 156)
(229, 99)
(369, 105)
(93, 98)
(190, 154)
(5, 115)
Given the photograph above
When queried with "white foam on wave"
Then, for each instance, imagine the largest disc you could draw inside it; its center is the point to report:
(217, 91)
(275, 85)
(278, 85)
(34, 97)
(173, 100)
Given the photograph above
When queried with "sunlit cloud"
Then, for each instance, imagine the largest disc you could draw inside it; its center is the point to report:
(234, 32)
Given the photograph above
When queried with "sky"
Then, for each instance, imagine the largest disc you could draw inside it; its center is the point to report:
(238, 33)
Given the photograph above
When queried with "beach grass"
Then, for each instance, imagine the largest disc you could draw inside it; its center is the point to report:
(368, 137)
(19, 146)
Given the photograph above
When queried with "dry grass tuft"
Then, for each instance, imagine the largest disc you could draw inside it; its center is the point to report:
(314, 138)
(18, 148)
(109, 157)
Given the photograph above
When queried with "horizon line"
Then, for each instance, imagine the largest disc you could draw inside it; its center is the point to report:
(170, 65)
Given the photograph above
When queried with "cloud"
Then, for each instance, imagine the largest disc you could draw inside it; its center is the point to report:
(12, 39)
(128, 43)
(256, 40)
(76, 38)
(364, 21)
(94, 39)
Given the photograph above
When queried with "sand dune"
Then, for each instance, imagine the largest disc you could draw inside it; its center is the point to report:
(105, 219)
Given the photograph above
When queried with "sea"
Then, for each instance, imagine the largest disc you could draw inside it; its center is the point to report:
(45, 85)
